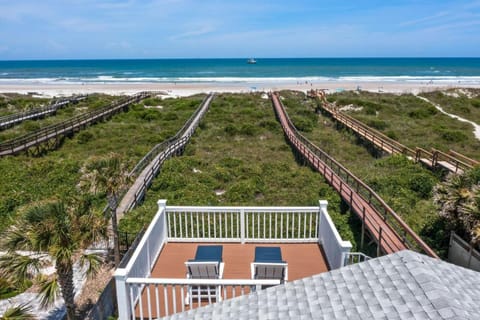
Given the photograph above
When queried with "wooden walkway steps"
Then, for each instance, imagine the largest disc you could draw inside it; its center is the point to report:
(59, 130)
(17, 118)
(389, 231)
(453, 161)
(148, 168)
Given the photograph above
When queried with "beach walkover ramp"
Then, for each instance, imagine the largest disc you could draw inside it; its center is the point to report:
(148, 168)
(451, 161)
(387, 229)
(36, 113)
(57, 131)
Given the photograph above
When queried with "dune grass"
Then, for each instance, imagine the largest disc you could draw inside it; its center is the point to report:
(404, 185)
(239, 152)
(411, 121)
(132, 134)
(91, 103)
(458, 102)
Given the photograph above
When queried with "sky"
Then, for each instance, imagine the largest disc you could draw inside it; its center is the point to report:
(113, 29)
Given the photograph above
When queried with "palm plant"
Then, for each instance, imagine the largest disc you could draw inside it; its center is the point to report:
(21, 312)
(110, 176)
(458, 199)
(55, 229)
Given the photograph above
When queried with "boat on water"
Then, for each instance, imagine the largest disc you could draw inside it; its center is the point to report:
(251, 61)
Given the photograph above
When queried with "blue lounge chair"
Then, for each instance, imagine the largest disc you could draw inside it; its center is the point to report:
(206, 265)
(268, 264)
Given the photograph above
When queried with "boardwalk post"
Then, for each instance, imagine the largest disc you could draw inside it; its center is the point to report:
(362, 238)
(379, 242)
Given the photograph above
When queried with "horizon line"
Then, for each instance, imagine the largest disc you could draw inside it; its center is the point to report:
(236, 58)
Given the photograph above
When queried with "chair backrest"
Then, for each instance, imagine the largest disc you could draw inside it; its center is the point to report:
(264, 270)
(203, 269)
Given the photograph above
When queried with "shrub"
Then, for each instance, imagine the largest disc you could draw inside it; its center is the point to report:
(453, 135)
(422, 113)
(248, 130)
(476, 103)
(84, 137)
(152, 101)
(231, 130)
(422, 184)
(31, 125)
(377, 124)
(391, 134)
(170, 116)
(302, 124)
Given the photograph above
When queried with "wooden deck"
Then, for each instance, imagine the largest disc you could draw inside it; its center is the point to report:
(304, 260)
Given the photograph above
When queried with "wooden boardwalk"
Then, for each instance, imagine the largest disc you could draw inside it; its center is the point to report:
(389, 231)
(17, 118)
(452, 161)
(150, 165)
(59, 130)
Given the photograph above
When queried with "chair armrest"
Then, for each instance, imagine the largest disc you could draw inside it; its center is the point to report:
(220, 271)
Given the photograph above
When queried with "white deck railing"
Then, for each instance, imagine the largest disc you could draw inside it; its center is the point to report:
(243, 224)
(162, 296)
(218, 224)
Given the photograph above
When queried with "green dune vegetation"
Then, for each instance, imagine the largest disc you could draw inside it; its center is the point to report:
(239, 156)
(131, 134)
(464, 103)
(407, 187)
(411, 121)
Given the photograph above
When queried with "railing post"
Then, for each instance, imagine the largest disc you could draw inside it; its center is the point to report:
(362, 237)
(123, 302)
(162, 206)
(242, 225)
(379, 242)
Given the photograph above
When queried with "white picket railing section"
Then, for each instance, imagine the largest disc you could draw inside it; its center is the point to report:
(217, 224)
(163, 296)
(243, 224)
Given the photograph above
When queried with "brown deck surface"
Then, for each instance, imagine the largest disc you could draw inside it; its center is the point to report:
(304, 260)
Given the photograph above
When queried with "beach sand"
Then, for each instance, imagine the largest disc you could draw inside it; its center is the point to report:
(186, 89)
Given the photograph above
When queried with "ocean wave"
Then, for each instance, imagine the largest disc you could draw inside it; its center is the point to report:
(310, 79)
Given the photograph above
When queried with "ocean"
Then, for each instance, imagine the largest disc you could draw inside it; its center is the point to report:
(448, 70)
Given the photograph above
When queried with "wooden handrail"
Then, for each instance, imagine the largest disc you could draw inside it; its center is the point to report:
(341, 171)
(464, 158)
(16, 118)
(457, 160)
(28, 140)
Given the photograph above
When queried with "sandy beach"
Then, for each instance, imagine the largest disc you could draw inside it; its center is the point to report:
(186, 89)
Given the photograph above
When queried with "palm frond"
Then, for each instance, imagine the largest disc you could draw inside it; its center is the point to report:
(19, 268)
(49, 292)
(93, 262)
(20, 312)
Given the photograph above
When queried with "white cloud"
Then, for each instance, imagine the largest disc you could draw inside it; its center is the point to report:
(203, 30)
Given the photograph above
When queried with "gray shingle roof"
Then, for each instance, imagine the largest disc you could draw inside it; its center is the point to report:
(403, 285)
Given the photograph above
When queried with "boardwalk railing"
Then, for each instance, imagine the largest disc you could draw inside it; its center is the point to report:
(450, 161)
(389, 231)
(136, 288)
(14, 119)
(453, 161)
(377, 138)
(149, 166)
(55, 131)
